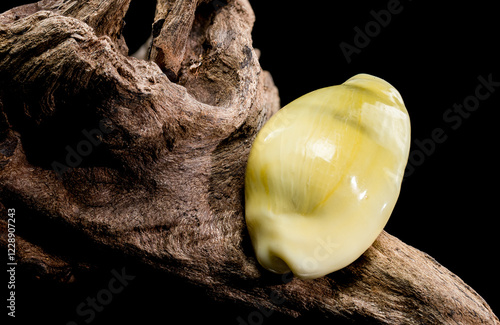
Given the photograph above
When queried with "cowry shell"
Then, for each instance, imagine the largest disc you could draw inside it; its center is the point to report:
(324, 175)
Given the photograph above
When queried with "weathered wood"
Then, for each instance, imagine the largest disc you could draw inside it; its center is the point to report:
(156, 153)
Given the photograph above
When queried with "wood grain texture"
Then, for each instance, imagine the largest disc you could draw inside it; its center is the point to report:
(156, 153)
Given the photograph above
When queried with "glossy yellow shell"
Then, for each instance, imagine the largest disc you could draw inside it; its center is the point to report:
(324, 174)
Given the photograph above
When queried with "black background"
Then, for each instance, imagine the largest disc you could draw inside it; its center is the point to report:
(433, 54)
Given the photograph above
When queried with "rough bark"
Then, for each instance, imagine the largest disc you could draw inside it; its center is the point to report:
(156, 153)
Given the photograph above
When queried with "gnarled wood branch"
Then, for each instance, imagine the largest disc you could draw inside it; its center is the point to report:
(146, 158)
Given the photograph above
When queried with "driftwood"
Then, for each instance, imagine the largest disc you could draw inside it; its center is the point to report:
(146, 159)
